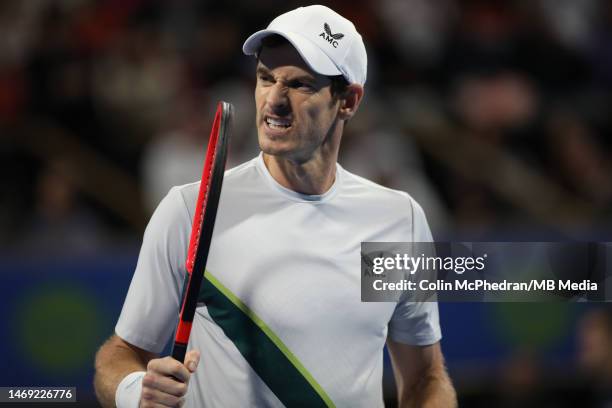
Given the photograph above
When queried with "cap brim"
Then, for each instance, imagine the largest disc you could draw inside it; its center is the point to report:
(310, 53)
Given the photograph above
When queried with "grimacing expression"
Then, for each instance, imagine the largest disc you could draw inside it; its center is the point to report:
(295, 109)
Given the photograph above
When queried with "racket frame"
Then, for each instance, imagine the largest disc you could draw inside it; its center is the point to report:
(203, 224)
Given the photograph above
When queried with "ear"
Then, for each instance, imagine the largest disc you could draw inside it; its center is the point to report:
(350, 100)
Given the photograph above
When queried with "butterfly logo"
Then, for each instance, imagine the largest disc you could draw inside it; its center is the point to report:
(337, 36)
(329, 37)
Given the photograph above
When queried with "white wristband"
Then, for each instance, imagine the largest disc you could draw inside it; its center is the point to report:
(129, 390)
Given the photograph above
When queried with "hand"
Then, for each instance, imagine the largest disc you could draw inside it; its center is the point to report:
(166, 380)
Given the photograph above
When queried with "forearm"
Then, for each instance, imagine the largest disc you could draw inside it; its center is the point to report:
(114, 361)
(434, 390)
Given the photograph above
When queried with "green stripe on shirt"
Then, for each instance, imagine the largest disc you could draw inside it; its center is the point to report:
(269, 357)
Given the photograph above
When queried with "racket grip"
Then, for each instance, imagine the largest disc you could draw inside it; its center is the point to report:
(178, 352)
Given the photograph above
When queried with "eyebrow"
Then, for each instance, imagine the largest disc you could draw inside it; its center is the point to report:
(261, 70)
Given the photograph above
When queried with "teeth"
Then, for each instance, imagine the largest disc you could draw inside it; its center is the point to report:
(276, 123)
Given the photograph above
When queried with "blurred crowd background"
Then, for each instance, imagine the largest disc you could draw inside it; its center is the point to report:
(494, 115)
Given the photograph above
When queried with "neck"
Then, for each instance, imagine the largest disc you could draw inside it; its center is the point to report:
(313, 174)
(313, 177)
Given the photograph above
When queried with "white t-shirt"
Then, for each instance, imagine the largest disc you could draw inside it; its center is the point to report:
(282, 322)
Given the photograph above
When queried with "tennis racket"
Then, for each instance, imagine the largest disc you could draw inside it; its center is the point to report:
(203, 224)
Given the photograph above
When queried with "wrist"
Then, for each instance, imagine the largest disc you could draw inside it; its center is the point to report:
(129, 390)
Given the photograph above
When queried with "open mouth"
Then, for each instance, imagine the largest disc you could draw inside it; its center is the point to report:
(277, 123)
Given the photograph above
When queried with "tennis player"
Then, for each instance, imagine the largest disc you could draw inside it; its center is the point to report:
(281, 322)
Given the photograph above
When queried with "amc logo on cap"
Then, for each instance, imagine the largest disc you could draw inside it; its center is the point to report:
(329, 37)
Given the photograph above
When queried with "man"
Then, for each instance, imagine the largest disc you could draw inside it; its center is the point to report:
(281, 321)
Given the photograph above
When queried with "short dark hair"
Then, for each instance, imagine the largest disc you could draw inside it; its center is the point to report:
(338, 85)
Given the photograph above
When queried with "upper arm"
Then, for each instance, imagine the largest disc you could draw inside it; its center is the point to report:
(151, 306)
(415, 322)
(414, 329)
(413, 363)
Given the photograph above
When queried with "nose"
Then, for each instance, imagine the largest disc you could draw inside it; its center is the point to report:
(277, 98)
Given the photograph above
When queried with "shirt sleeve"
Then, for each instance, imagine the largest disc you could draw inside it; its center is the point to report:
(416, 323)
(151, 307)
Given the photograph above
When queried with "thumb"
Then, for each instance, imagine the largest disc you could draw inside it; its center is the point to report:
(192, 358)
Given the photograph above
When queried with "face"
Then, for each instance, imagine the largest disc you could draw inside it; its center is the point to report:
(296, 114)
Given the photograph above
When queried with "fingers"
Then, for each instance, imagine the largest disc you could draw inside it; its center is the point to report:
(169, 367)
(166, 385)
(166, 380)
(155, 398)
(192, 359)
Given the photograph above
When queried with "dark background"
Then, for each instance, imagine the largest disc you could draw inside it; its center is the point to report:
(494, 115)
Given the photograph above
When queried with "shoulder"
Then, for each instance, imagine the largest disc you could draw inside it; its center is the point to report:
(172, 212)
(386, 205)
(360, 187)
(185, 196)
(180, 197)
(242, 173)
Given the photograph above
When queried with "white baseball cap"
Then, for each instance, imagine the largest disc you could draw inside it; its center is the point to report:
(328, 42)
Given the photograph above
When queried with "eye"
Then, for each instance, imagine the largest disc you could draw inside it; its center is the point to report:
(265, 78)
(301, 85)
